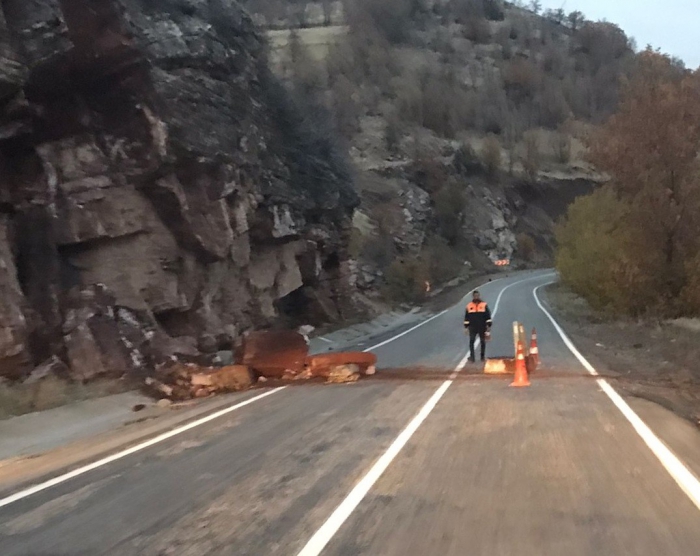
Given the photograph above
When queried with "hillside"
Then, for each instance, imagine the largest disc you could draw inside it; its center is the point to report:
(465, 120)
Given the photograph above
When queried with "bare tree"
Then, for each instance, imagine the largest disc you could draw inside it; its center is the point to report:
(575, 19)
(532, 158)
(327, 12)
(492, 155)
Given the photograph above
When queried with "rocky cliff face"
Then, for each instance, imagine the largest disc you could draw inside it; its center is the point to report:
(159, 192)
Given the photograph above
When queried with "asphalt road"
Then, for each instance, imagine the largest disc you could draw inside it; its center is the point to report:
(404, 464)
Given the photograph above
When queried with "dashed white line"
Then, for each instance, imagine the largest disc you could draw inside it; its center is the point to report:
(685, 479)
(119, 455)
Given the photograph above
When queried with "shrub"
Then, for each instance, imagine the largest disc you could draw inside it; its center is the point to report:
(477, 30)
(392, 135)
(521, 78)
(429, 174)
(598, 258)
(532, 158)
(492, 155)
(526, 246)
(466, 161)
(394, 19)
(493, 10)
(378, 250)
(561, 146)
(449, 208)
(405, 280)
(444, 263)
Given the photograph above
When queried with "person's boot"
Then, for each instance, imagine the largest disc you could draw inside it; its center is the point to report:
(471, 359)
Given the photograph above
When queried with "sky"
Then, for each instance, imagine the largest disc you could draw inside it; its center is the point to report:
(671, 25)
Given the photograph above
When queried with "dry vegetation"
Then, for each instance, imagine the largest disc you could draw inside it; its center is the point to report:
(506, 85)
(634, 246)
(655, 361)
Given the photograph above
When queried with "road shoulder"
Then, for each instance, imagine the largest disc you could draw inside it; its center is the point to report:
(652, 366)
(33, 466)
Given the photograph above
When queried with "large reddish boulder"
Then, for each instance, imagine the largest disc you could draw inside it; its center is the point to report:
(273, 354)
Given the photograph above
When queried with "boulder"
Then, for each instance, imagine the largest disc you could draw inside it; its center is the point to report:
(272, 353)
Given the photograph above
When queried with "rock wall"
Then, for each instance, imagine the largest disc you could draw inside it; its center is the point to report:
(146, 151)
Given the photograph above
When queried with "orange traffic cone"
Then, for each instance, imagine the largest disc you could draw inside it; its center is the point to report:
(521, 378)
(534, 350)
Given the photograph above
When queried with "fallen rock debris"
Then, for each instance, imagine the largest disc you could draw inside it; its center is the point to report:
(260, 357)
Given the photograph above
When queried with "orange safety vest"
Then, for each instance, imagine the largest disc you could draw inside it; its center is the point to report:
(476, 307)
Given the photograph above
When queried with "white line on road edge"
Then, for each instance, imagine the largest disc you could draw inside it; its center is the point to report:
(685, 479)
(148, 443)
(323, 536)
(385, 342)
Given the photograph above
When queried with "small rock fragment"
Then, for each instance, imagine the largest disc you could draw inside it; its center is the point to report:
(343, 374)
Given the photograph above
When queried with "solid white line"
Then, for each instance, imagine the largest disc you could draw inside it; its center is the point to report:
(685, 479)
(500, 295)
(385, 342)
(148, 443)
(325, 339)
(323, 536)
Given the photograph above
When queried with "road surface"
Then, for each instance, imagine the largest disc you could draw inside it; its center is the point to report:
(388, 466)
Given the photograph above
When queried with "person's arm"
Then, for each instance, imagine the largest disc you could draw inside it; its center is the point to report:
(489, 321)
(466, 318)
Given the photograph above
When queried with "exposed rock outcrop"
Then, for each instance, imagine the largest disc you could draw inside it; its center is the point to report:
(145, 147)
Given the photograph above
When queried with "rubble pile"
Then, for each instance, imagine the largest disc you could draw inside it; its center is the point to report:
(260, 357)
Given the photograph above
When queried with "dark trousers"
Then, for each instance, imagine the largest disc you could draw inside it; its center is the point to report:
(472, 338)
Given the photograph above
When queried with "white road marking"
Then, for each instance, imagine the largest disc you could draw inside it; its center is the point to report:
(324, 535)
(685, 478)
(385, 342)
(327, 531)
(325, 339)
(165, 436)
(119, 455)
(500, 295)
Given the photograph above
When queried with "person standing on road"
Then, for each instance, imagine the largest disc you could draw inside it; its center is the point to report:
(477, 318)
